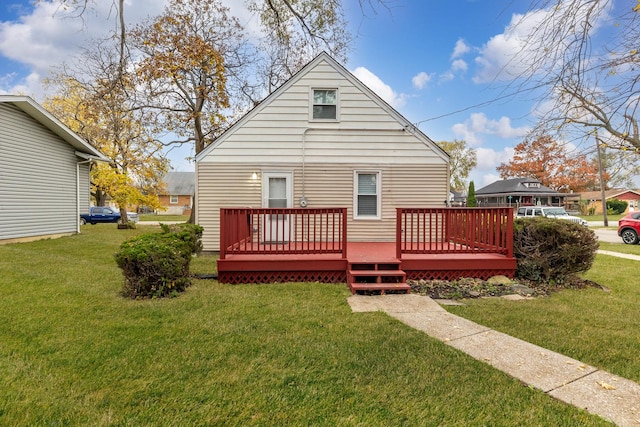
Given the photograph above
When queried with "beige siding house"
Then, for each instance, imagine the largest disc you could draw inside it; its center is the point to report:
(323, 139)
(44, 173)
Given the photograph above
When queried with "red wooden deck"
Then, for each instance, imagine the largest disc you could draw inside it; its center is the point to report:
(431, 244)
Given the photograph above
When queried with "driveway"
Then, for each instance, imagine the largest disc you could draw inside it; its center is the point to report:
(608, 235)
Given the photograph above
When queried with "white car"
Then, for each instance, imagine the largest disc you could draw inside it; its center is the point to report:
(548, 212)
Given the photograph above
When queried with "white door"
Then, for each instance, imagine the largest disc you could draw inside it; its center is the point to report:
(276, 193)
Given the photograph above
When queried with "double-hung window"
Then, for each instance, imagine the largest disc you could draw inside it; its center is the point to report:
(173, 200)
(367, 195)
(325, 104)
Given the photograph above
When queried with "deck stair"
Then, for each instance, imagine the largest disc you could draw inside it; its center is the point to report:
(379, 277)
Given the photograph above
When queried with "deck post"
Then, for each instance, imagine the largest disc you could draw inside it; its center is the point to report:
(509, 232)
(344, 233)
(399, 233)
(223, 233)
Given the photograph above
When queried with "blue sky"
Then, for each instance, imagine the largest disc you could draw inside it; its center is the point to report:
(435, 61)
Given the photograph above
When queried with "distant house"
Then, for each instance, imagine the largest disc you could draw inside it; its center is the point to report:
(592, 200)
(177, 198)
(44, 173)
(322, 139)
(518, 191)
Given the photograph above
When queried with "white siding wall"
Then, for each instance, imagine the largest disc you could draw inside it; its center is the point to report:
(280, 137)
(326, 186)
(37, 179)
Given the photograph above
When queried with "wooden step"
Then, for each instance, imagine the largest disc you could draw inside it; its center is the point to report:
(380, 277)
(381, 273)
(380, 287)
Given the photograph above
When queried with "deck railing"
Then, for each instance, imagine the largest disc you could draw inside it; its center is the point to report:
(454, 230)
(285, 231)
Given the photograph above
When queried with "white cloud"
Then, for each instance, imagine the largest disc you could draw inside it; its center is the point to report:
(478, 124)
(445, 77)
(460, 49)
(505, 56)
(488, 159)
(382, 89)
(48, 35)
(459, 65)
(421, 79)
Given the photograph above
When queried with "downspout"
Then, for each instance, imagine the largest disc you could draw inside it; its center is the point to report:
(78, 193)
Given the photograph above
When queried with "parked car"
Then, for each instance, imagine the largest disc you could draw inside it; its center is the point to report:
(629, 228)
(101, 214)
(548, 212)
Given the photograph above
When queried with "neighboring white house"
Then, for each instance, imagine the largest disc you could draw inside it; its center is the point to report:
(44, 172)
(323, 139)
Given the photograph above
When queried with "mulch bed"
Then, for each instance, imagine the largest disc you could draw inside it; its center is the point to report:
(477, 288)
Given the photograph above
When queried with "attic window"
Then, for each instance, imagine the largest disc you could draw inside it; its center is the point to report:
(325, 104)
(532, 184)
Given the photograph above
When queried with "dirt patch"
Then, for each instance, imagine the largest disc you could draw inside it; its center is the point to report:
(478, 288)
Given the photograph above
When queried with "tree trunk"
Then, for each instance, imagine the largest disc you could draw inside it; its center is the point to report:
(192, 217)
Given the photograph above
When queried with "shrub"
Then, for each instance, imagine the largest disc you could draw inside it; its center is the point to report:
(157, 264)
(616, 207)
(190, 233)
(551, 250)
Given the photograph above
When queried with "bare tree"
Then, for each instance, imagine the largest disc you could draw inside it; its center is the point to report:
(94, 98)
(584, 54)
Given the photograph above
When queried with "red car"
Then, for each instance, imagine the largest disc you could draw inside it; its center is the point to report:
(629, 228)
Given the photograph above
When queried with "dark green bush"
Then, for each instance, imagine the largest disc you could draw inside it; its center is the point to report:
(190, 233)
(616, 206)
(157, 265)
(552, 250)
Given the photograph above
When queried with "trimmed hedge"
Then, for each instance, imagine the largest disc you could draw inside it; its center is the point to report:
(616, 207)
(552, 250)
(157, 264)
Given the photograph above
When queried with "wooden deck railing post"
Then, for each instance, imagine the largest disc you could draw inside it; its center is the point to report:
(223, 234)
(399, 212)
(344, 233)
(509, 232)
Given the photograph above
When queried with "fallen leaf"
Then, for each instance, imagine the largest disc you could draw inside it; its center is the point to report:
(606, 386)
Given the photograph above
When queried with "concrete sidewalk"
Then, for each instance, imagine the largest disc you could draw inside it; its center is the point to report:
(619, 255)
(609, 396)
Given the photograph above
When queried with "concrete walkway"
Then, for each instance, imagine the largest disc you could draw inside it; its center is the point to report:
(619, 255)
(613, 398)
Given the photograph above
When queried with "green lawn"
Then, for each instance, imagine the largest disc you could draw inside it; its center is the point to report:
(598, 327)
(601, 217)
(620, 247)
(74, 352)
(162, 218)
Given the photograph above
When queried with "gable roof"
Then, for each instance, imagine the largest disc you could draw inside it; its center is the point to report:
(517, 186)
(348, 76)
(42, 116)
(608, 194)
(180, 183)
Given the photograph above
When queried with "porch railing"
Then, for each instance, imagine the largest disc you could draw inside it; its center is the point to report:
(454, 230)
(283, 231)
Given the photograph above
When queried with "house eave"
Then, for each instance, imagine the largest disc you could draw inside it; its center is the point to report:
(33, 109)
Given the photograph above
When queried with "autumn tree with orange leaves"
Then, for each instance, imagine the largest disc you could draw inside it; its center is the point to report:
(550, 163)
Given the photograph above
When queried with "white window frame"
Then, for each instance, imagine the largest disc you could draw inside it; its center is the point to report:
(378, 215)
(311, 104)
(173, 201)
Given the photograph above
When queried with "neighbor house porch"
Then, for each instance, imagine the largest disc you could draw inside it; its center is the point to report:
(311, 244)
